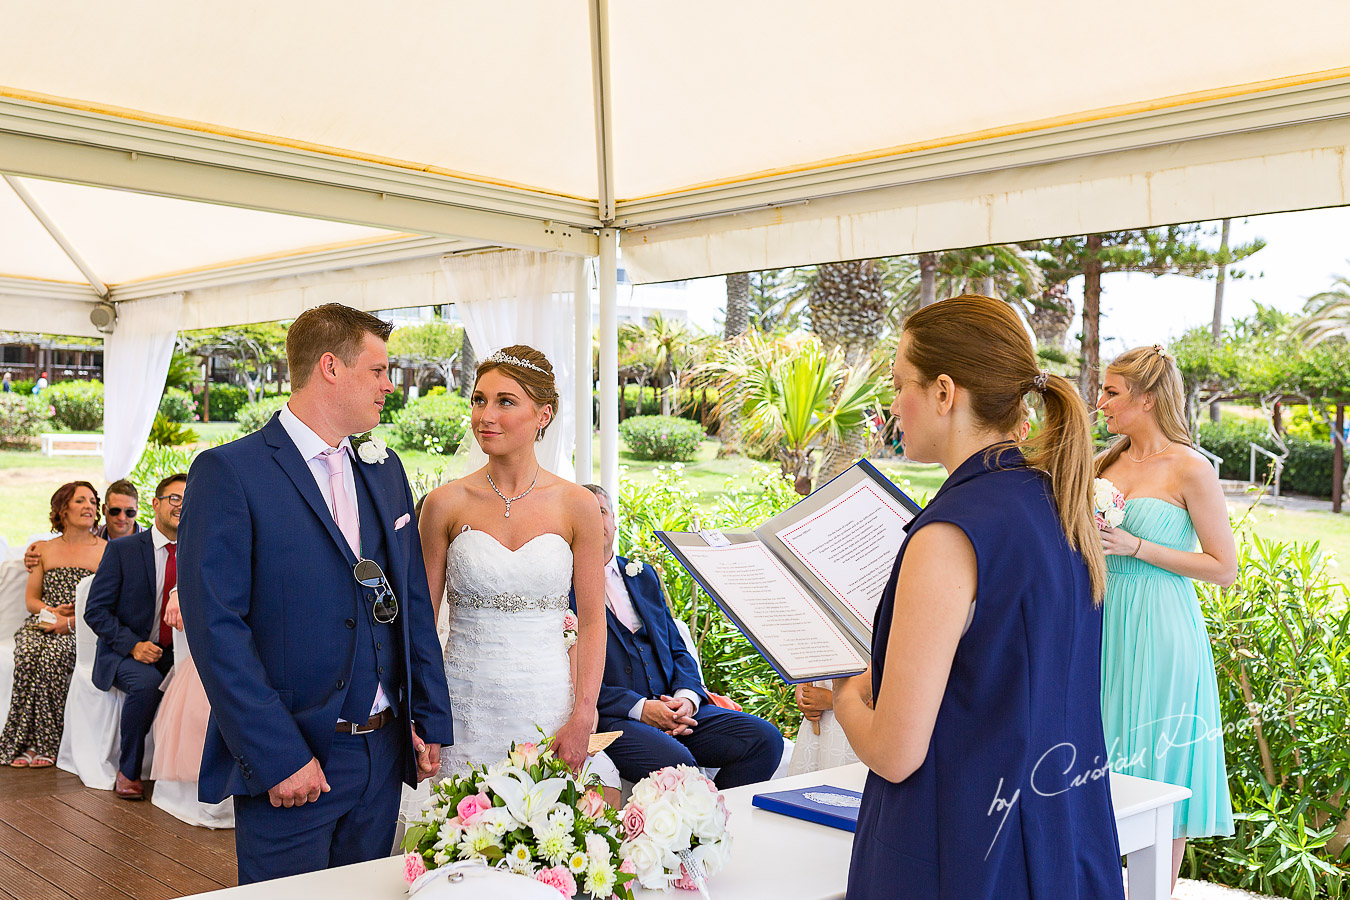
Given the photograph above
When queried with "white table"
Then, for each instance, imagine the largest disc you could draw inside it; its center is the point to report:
(764, 845)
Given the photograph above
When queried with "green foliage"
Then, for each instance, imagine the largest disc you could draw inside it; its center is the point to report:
(165, 433)
(1281, 639)
(433, 341)
(177, 405)
(23, 387)
(226, 401)
(668, 503)
(393, 403)
(666, 438)
(182, 371)
(253, 416)
(76, 405)
(157, 463)
(22, 416)
(1307, 470)
(435, 424)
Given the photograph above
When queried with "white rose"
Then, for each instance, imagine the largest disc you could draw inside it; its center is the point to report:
(1102, 493)
(646, 860)
(634, 568)
(1114, 516)
(644, 793)
(373, 450)
(666, 826)
(698, 802)
(713, 856)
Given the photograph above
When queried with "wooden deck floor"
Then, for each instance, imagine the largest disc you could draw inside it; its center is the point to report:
(62, 841)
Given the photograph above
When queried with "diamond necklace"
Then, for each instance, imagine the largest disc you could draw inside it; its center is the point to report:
(1127, 453)
(510, 500)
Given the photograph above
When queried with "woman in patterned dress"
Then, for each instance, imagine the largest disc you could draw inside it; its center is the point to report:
(44, 646)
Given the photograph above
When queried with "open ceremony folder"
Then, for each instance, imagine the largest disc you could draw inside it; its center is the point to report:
(822, 804)
(804, 586)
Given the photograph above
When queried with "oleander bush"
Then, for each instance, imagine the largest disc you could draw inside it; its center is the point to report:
(76, 405)
(1281, 641)
(665, 438)
(255, 415)
(178, 405)
(730, 665)
(435, 423)
(226, 401)
(22, 417)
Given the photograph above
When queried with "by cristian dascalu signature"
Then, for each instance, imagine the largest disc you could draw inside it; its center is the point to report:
(1005, 805)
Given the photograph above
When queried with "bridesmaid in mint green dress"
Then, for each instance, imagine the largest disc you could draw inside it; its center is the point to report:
(1160, 701)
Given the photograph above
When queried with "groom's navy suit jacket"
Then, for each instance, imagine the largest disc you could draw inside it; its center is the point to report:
(121, 604)
(617, 691)
(268, 598)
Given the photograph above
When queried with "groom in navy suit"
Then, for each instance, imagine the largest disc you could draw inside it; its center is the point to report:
(327, 692)
(652, 691)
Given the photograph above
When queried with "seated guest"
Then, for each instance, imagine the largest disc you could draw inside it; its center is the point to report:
(126, 609)
(44, 646)
(652, 692)
(119, 518)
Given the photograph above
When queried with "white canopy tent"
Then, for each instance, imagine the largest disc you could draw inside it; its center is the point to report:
(706, 138)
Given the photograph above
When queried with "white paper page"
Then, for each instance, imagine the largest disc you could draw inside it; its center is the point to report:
(783, 618)
(851, 545)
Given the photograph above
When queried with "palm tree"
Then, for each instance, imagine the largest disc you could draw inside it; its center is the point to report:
(1328, 314)
(663, 347)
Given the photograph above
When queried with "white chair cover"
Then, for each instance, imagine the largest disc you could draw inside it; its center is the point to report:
(13, 584)
(179, 798)
(89, 745)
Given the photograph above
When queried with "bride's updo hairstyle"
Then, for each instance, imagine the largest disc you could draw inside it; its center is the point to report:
(535, 378)
(1150, 370)
(982, 345)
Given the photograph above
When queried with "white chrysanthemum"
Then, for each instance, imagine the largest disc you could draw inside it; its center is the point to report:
(555, 843)
(476, 840)
(578, 862)
(520, 861)
(600, 880)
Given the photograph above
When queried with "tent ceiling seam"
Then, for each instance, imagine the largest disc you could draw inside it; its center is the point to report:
(604, 110)
(68, 248)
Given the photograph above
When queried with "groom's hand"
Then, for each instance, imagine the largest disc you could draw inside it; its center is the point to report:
(428, 757)
(303, 787)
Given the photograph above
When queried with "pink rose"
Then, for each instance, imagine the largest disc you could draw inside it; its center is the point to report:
(413, 867)
(592, 805)
(526, 754)
(558, 877)
(668, 778)
(628, 868)
(469, 808)
(634, 820)
(684, 882)
(569, 621)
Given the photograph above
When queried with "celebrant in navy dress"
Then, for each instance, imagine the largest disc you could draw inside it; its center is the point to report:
(989, 772)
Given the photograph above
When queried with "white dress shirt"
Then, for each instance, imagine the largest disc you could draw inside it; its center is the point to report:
(313, 449)
(621, 604)
(161, 563)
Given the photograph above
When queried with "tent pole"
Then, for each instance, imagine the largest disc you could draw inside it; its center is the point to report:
(584, 377)
(608, 277)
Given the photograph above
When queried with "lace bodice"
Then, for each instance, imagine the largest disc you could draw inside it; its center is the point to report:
(481, 572)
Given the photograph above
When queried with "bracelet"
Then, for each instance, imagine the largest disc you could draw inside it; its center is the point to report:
(1138, 547)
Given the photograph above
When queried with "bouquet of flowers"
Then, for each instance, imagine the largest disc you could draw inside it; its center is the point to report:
(676, 827)
(1108, 503)
(529, 814)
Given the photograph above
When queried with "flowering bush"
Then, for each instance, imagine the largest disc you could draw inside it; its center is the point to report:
(76, 405)
(675, 825)
(435, 424)
(21, 417)
(529, 814)
(178, 405)
(255, 415)
(661, 437)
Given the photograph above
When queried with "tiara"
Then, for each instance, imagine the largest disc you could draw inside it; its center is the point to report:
(500, 357)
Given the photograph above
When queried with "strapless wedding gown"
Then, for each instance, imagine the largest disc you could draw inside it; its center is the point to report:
(505, 662)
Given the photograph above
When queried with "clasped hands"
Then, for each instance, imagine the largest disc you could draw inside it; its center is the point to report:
(673, 715)
(307, 784)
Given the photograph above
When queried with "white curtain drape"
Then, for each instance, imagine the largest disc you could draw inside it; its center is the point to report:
(522, 297)
(135, 362)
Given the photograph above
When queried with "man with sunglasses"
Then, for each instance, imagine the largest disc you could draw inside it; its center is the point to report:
(135, 643)
(119, 514)
(305, 601)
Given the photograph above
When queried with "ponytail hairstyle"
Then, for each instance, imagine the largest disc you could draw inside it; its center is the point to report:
(982, 345)
(1150, 370)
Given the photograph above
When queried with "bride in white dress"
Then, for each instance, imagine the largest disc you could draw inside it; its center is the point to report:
(506, 544)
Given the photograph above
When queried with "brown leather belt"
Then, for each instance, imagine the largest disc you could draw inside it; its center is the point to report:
(374, 723)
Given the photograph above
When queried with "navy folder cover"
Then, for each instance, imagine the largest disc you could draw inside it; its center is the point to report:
(823, 804)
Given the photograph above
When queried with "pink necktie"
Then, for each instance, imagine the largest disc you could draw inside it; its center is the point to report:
(344, 510)
(616, 597)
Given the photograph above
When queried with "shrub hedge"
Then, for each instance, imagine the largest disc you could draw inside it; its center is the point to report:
(76, 405)
(177, 405)
(226, 401)
(1306, 471)
(22, 416)
(435, 423)
(253, 416)
(667, 438)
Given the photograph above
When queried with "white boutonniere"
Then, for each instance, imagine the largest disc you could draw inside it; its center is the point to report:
(369, 448)
(633, 569)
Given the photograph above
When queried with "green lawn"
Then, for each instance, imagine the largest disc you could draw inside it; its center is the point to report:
(27, 479)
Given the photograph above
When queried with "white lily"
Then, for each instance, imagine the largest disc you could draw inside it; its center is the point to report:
(528, 801)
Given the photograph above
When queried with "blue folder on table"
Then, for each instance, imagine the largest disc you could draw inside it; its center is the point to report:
(823, 804)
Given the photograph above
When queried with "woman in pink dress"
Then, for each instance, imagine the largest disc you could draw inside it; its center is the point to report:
(180, 723)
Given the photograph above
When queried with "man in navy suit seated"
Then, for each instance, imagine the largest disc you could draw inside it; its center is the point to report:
(126, 610)
(652, 691)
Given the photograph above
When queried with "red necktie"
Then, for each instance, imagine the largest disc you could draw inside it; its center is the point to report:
(170, 580)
